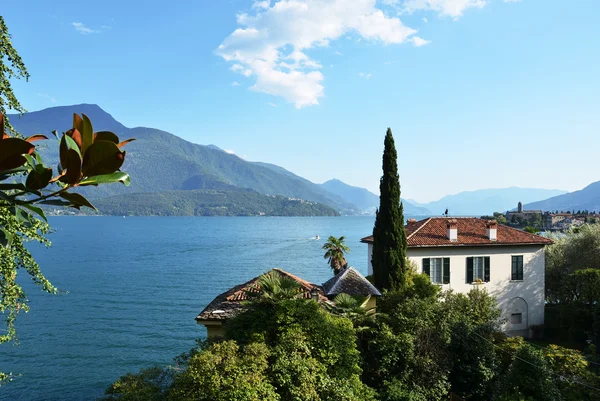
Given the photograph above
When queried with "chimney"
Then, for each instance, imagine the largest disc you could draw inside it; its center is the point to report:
(491, 230)
(412, 220)
(314, 294)
(452, 230)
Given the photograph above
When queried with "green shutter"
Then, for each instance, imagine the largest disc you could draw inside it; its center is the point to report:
(469, 270)
(486, 271)
(426, 264)
(446, 270)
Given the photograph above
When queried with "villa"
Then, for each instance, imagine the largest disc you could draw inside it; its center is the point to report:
(233, 301)
(460, 253)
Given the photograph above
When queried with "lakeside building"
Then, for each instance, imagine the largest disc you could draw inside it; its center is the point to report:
(521, 215)
(460, 253)
(233, 301)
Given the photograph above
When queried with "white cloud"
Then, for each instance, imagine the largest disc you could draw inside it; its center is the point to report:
(338, 53)
(235, 83)
(425, 20)
(47, 97)
(448, 8)
(365, 75)
(418, 42)
(271, 104)
(271, 44)
(82, 29)
(261, 4)
(512, 1)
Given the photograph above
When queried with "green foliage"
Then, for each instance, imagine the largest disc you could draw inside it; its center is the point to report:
(272, 287)
(335, 251)
(224, 372)
(148, 385)
(389, 234)
(13, 69)
(230, 202)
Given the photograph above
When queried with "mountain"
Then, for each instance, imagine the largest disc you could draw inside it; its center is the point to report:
(587, 198)
(487, 201)
(367, 200)
(160, 161)
(209, 202)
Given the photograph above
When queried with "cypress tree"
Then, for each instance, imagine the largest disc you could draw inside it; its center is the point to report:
(389, 234)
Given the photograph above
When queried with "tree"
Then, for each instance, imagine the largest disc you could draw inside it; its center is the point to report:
(86, 159)
(335, 250)
(273, 287)
(16, 70)
(389, 234)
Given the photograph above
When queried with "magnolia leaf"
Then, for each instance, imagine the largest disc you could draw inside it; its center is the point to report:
(36, 210)
(38, 180)
(6, 237)
(1, 126)
(125, 142)
(106, 136)
(77, 199)
(12, 151)
(101, 158)
(119, 176)
(87, 134)
(73, 167)
(55, 133)
(37, 137)
(55, 202)
(12, 186)
(75, 134)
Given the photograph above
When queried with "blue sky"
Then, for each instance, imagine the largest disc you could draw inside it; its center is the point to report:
(478, 93)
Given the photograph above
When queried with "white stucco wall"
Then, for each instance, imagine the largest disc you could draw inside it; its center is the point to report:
(526, 296)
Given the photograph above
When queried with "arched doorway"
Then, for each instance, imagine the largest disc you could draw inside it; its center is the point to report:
(516, 315)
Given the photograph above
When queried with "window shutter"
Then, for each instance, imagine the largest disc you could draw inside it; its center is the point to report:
(469, 270)
(426, 263)
(486, 272)
(446, 270)
(521, 268)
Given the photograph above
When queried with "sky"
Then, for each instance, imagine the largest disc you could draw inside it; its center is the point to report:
(478, 93)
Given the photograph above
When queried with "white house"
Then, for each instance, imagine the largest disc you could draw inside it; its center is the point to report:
(459, 253)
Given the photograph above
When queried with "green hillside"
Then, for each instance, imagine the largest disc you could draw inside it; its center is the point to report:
(209, 202)
(159, 161)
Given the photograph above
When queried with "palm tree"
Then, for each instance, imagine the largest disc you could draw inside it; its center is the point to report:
(273, 287)
(336, 249)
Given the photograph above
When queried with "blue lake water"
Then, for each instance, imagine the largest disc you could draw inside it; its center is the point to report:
(136, 284)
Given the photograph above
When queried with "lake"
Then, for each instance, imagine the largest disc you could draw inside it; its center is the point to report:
(136, 284)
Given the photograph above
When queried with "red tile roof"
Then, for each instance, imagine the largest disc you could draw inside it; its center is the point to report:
(232, 302)
(471, 232)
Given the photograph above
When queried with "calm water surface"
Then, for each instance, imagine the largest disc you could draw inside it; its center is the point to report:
(135, 285)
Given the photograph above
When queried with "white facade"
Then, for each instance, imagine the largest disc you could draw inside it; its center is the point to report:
(519, 300)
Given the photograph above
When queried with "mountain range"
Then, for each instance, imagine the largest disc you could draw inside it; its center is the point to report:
(160, 162)
(587, 198)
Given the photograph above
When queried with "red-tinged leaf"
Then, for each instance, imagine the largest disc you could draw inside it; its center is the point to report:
(77, 122)
(67, 143)
(87, 133)
(102, 157)
(106, 136)
(73, 167)
(37, 137)
(74, 134)
(37, 180)
(125, 142)
(11, 151)
(77, 200)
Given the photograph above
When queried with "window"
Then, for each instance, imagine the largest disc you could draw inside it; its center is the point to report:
(516, 318)
(517, 268)
(478, 269)
(438, 269)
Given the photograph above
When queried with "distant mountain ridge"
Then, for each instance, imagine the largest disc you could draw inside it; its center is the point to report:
(487, 201)
(367, 200)
(587, 198)
(159, 161)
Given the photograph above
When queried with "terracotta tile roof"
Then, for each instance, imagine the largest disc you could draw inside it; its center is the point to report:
(350, 281)
(471, 232)
(231, 302)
